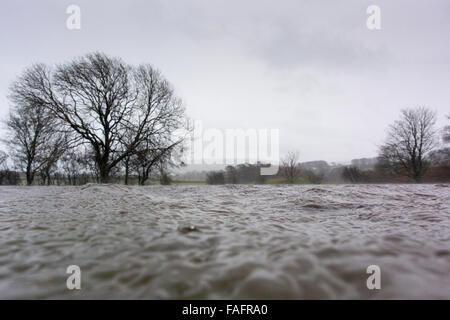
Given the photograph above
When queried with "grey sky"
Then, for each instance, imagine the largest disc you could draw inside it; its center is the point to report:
(310, 68)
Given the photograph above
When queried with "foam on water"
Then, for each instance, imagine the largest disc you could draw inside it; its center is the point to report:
(236, 241)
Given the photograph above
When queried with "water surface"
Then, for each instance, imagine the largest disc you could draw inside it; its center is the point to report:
(220, 242)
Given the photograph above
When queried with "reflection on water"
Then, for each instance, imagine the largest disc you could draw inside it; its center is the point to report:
(189, 242)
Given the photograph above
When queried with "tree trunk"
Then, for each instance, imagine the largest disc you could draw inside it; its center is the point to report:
(104, 173)
(127, 167)
(48, 177)
(104, 177)
(143, 178)
(30, 176)
(103, 168)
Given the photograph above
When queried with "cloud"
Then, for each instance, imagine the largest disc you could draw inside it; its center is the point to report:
(310, 68)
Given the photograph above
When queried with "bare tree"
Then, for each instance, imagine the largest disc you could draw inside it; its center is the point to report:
(74, 164)
(129, 161)
(56, 145)
(289, 166)
(231, 175)
(127, 164)
(30, 131)
(7, 177)
(446, 133)
(352, 174)
(102, 100)
(409, 142)
(215, 177)
(3, 159)
(151, 158)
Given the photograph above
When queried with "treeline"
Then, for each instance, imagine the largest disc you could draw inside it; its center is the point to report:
(7, 176)
(92, 119)
(414, 151)
(318, 172)
(240, 174)
(99, 119)
(383, 173)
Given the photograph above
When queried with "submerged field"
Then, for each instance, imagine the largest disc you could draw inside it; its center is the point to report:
(244, 242)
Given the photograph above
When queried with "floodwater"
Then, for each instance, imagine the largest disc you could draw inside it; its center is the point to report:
(221, 242)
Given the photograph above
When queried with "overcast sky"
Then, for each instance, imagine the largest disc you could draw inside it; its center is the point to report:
(310, 68)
